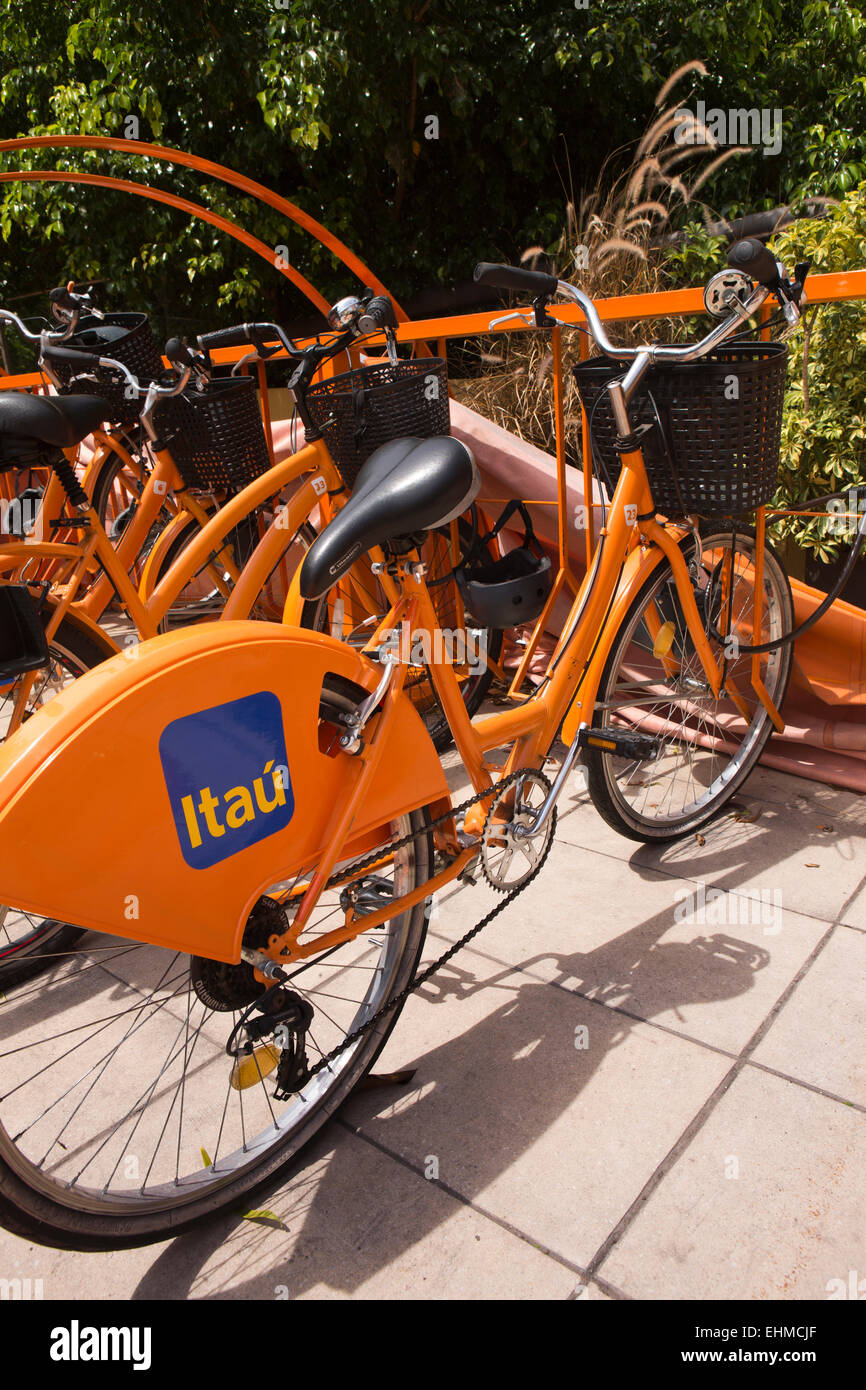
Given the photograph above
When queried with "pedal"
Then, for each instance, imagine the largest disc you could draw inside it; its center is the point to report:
(624, 743)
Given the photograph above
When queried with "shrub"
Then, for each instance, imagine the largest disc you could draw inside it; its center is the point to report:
(824, 427)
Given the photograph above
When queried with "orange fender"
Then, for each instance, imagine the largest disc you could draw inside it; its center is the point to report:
(164, 791)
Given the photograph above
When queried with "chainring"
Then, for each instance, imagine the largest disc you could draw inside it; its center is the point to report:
(500, 846)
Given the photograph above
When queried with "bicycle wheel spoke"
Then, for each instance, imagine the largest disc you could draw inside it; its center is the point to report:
(706, 744)
(111, 1109)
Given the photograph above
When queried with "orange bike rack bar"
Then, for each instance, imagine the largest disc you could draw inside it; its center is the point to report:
(159, 195)
(217, 171)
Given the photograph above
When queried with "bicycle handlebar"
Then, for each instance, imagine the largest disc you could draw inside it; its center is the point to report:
(755, 260)
(178, 354)
(542, 285)
(65, 301)
(748, 255)
(659, 352)
(74, 358)
(378, 313)
(45, 336)
(244, 334)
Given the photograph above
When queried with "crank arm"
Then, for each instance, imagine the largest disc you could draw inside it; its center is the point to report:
(523, 832)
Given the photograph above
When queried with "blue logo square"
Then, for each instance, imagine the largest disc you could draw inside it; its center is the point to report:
(227, 775)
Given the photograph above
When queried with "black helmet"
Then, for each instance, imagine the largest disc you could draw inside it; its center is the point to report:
(503, 593)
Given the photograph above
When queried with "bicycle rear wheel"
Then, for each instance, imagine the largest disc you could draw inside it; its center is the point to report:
(654, 681)
(205, 595)
(119, 1120)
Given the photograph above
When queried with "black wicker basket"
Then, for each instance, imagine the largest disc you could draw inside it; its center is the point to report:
(717, 452)
(360, 410)
(128, 339)
(215, 436)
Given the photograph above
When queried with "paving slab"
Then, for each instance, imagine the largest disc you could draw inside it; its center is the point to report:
(766, 1202)
(350, 1223)
(704, 963)
(812, 858)
(820, 1035)
(539, 1107)
(544, 1150)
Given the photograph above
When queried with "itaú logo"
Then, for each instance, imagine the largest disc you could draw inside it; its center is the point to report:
(227, 777)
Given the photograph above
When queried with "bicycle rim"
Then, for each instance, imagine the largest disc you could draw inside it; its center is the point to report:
(201, 600)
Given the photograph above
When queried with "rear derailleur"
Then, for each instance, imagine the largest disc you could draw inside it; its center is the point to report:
(283, 1017)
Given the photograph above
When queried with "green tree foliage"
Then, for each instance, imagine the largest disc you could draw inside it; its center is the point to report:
(400, 125)
(824, 430)
(425, 133)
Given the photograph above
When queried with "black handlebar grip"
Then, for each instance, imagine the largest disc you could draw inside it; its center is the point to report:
(178, 354)
(754, 259)
(236, 336)
(75, 358)
(379, 313)
(239, 335)
(514, 277)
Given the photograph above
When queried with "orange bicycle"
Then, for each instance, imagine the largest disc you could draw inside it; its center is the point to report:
(115, 475)
(237, 562)
(259, 939)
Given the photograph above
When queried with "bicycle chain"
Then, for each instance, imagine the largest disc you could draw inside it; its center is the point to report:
(423, 976)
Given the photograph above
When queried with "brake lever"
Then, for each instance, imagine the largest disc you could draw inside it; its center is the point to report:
(75, 303)
(261, 347)
(506, 318)
(245, 361)
(540, 317)
(791, 295)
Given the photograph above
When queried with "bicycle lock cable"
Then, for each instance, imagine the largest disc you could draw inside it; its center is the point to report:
(762, 648)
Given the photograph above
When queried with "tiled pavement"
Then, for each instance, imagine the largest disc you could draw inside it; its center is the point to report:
(629, 1086)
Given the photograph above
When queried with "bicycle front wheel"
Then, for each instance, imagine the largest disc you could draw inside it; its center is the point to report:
(122, 1118)
(654, 681)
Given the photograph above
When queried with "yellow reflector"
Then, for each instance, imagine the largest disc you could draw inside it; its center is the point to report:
(250, 1069)
(664, 639)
